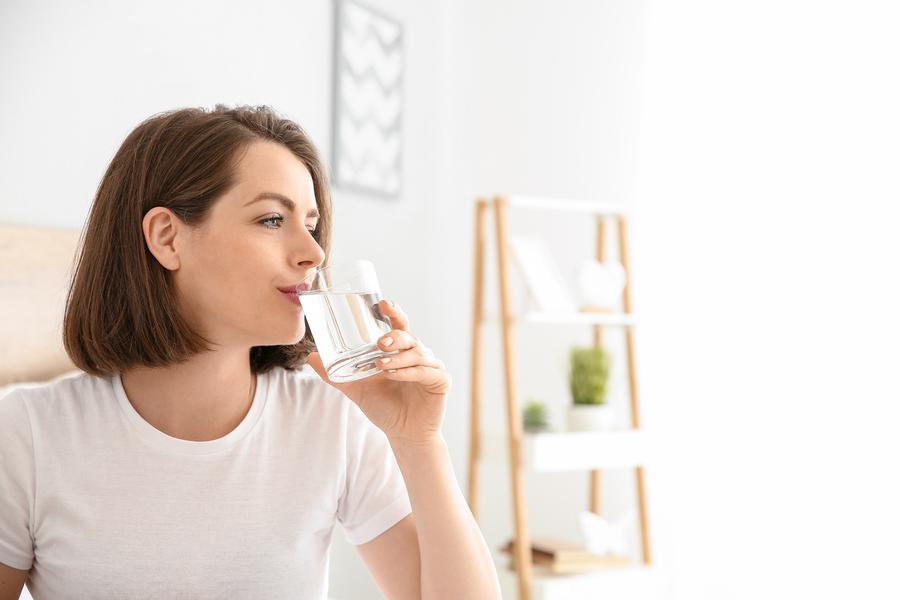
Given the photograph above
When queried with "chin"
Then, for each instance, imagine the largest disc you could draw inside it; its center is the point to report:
(285, 330)
(294, 339)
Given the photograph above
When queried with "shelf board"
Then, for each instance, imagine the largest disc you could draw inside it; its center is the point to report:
(571, 451)
(633, 582)
(609, 319)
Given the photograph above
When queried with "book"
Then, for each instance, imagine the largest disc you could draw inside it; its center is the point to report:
(555, 555)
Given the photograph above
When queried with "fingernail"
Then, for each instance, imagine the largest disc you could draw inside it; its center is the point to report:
(385, 361)
(391, 302)
(387, 341)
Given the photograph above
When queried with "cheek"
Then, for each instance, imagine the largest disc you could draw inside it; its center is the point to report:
(225, 276)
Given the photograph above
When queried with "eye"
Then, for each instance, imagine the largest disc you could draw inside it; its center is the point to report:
(275, 222)
(274, 218)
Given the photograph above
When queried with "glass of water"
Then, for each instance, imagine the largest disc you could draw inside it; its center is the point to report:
(342, 312)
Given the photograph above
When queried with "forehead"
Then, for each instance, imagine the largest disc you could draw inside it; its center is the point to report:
(270, 167)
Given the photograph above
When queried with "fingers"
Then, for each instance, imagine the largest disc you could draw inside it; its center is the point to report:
(413, 361)
(400, 337)
(398, 318)
(401, 340)
(397, 340)
(413, 357)
(427, 376)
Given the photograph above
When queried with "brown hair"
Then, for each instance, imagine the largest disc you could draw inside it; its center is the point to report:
(121, 308)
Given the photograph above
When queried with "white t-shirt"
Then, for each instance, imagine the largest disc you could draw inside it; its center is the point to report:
(98, 503)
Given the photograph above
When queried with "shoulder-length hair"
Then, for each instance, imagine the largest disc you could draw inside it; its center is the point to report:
(121, 309)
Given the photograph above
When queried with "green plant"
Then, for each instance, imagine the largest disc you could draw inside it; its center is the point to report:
(589, 374)
(534, 416)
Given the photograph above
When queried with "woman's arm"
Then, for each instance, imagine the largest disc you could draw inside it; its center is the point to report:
(454, 559)
(12, 581)
(407, 402)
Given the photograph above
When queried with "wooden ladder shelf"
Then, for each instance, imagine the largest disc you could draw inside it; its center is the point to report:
(522, 452)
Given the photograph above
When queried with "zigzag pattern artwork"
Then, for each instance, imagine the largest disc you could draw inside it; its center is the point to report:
(368, 65)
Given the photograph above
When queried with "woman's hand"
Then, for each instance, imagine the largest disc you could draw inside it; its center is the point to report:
(408, 399)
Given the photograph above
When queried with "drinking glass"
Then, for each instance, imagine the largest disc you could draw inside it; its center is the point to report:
(342, 312)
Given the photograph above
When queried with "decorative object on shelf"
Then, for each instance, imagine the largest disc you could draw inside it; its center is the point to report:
(603, 537)
(559, 556)
(366, 113)
(543, 279)
(588, 379)
(534, 417)
(600, 285)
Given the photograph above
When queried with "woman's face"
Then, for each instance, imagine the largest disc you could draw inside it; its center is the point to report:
(234, 264)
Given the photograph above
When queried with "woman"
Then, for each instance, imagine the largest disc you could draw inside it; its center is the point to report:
(192, 458)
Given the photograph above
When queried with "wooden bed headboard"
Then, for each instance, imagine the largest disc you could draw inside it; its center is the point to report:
(35, 270)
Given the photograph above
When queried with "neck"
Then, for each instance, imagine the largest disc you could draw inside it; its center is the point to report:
(199, 400)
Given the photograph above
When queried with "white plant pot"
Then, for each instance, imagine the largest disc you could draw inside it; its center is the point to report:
(590, 417)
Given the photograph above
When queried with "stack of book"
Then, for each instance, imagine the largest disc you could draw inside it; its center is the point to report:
(558, 556)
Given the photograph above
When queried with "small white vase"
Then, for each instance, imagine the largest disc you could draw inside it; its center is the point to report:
(590, 417)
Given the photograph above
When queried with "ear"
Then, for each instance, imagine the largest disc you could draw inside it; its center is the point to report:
(161, 232)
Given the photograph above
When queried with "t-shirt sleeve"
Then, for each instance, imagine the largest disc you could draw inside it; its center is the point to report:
(374, 498)
(16, 483)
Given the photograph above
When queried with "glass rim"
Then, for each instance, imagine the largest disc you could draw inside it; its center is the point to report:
(344, 264)
(355, 263)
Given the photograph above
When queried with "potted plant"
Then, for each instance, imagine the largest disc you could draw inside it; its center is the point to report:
(588, 379)
(534, 416)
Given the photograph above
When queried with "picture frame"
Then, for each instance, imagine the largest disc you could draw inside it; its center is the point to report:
(543, 280)
(367, 101)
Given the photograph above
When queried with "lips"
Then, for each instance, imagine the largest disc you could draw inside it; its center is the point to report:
(295, 289)
(292, 297)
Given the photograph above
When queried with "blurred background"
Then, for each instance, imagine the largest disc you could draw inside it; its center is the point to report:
(755, 145)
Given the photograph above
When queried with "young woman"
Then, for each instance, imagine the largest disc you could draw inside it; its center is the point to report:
(192, 458)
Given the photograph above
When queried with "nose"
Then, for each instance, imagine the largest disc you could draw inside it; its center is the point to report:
(309, 255)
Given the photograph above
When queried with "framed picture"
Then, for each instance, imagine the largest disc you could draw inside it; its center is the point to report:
(543, 279)
(366, 116)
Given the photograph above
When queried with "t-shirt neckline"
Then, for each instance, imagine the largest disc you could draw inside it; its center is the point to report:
(163, 441)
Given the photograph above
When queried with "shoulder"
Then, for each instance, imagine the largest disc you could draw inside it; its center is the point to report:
(69, 386)
(73, 395)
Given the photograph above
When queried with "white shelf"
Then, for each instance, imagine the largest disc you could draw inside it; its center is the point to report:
(610, 319)
(625, 583)
(571, 451)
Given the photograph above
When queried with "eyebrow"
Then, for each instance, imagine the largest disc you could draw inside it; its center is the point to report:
(285, 201)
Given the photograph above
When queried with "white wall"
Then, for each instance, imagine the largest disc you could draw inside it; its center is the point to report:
(768, 204)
